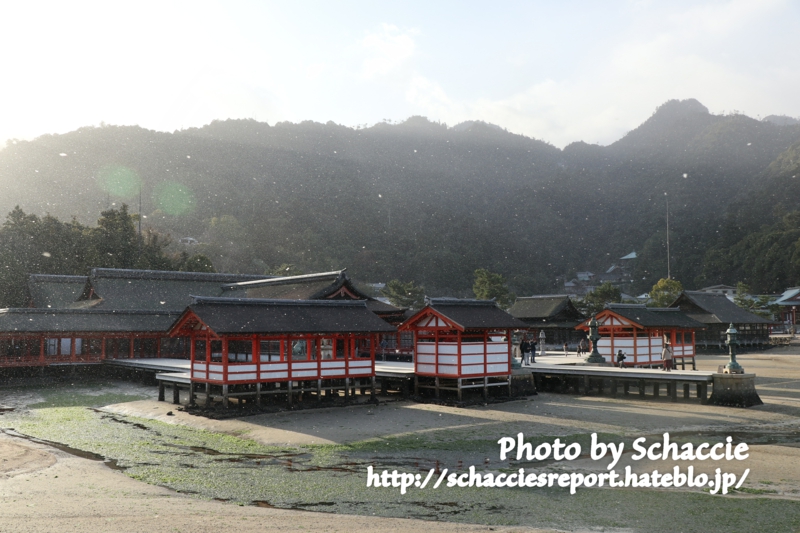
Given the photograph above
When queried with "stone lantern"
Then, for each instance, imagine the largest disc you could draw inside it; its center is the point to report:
(733, 367)
(594, 336)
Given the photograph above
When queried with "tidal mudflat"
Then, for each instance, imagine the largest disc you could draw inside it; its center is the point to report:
(317, 460)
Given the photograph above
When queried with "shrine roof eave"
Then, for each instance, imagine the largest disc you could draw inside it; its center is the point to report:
(465, 316)
(644, 319)
(223, 316)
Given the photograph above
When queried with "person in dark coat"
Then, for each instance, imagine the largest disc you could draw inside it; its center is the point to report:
(525, 350)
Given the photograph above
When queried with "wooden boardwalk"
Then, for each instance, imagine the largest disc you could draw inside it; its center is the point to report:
(584, 378)
(556, 373)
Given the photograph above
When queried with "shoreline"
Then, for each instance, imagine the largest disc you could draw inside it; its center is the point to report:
(48, 490)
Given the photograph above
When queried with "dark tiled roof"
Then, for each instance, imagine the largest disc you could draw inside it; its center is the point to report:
(83, 321)
(48, 290)
(306, 287)
(544, 307)
(254, 315)
(655, 316)
(156, 290)
(475, 314)
(376, 306)
(711, 308)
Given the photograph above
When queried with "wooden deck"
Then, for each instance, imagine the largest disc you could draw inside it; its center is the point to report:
(584, 378)
(553, 372)
(151, 364)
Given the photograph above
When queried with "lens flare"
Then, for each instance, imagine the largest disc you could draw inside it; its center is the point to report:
(119, 181)
(174, 198)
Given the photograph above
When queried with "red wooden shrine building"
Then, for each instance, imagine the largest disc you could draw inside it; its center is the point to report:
(250, 346)
(44, 337)
(334, 285)
(640, 332)
(461, 344)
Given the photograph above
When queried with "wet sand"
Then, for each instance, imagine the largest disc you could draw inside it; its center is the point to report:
(42, 489)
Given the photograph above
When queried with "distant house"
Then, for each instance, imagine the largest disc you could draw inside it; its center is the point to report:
(584, 276)
(789, 301)
(555, 314)
(717, 312)
(727, 290)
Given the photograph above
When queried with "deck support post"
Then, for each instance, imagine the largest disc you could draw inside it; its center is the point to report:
(656, 386)
(613, 387)
(686, 390)
(372, 388)
(626, 388)
(208, 394)
(587, 385)
(485, 388)
(641, 387)
(416, 385)
(347, 389)
(437, 386)
(704, 393)
(160, 391)
(258, 394)
(176, 393)
(459, 389)
(319, 390)
(289, 390)
(225, 401)
(673, 391)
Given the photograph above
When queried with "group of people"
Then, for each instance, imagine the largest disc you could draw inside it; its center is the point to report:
(528, 350)
(666, 357)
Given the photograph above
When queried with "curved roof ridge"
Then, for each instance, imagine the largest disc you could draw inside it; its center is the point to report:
(275, 302)
(284, 280)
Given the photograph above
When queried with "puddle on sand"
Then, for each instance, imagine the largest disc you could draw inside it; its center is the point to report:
(83, 454)
(106, 416)
(784, 438)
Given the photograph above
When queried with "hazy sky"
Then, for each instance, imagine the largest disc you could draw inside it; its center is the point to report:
(560, 71)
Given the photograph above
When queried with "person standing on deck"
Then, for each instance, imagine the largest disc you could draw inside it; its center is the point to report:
(666, 356)
(525, 350)
(566, 349)
(533, 350)
(583, 347)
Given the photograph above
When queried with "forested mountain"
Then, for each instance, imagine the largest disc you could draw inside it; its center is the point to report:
(418, 200)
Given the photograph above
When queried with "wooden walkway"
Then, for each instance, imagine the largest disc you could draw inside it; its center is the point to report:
(558, 373)
(584, 378)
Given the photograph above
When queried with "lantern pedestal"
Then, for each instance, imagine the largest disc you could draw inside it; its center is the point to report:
(735, 390)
